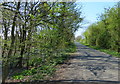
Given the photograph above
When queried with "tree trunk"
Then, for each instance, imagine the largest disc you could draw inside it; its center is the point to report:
(6, 67)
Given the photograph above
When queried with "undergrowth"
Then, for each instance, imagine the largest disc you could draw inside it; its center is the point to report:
(45, 69)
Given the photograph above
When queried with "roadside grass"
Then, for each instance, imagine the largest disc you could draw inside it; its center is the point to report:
(44, 71)
(71, 48)
(41, 72)
(110, 52)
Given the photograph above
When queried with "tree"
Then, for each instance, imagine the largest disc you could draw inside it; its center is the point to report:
(105, 33)
(36, 31)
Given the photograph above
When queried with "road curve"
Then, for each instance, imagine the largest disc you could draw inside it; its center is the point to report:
(89, 64)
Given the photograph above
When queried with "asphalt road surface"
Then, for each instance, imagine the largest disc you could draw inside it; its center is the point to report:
(89, 64)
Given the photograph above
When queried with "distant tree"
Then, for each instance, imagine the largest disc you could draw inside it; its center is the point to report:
(78, 38)
(106, 32)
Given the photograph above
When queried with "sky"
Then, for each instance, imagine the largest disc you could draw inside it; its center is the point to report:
(91, 10)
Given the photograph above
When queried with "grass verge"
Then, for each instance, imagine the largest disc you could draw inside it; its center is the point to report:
(110, 52)
(44, 71)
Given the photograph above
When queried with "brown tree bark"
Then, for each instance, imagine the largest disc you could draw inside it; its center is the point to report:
(6, 66)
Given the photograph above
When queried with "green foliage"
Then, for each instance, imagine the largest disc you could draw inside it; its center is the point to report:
(71, 48)
(108, 51)
(111, 52)
(29, 72)
(42, 71)
(18, 77)
(35, 62)
(37, 77)
(105, 33)
(78, 38)
(41, 34)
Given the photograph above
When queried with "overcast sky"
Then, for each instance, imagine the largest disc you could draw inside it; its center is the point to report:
(91, 10)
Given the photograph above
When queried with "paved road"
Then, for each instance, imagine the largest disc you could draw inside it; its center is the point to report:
(89, 64)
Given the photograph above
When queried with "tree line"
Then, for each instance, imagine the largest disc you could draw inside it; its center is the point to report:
(106, 32)
(34, 33)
